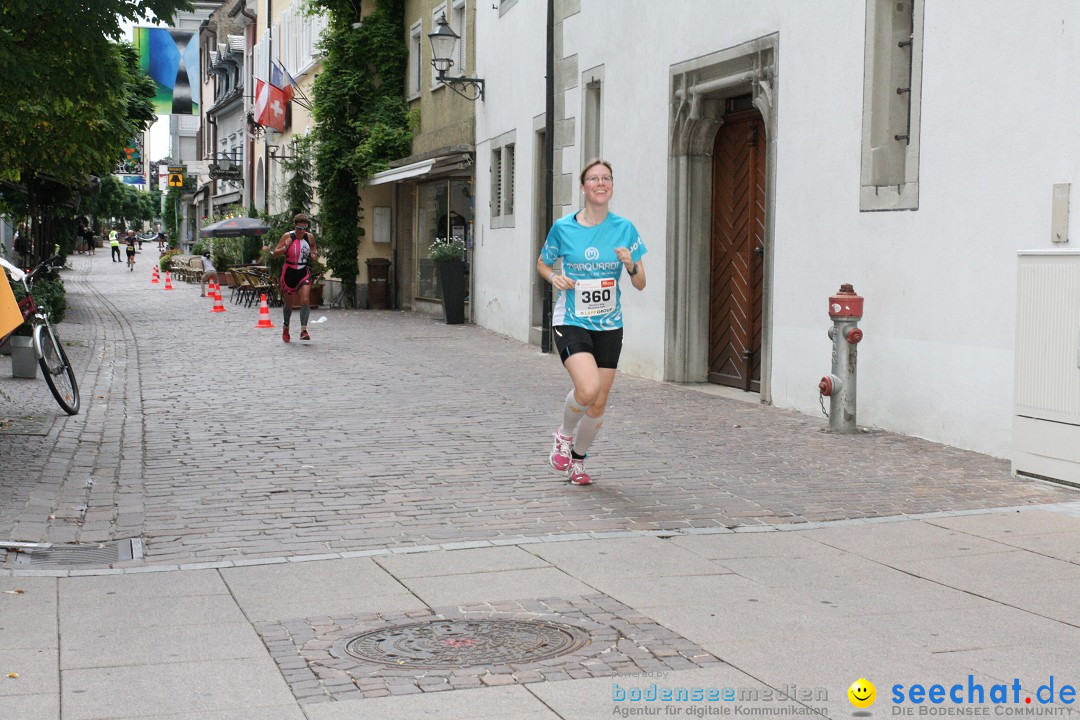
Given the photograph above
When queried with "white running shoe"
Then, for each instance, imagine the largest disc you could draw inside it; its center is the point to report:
(560, 452)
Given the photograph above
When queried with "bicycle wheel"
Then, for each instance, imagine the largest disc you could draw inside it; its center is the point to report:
(57, 370)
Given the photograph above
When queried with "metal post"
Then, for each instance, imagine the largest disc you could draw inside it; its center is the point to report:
(549, 163)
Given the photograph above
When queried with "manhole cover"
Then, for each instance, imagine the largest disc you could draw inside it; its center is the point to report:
(444, 644)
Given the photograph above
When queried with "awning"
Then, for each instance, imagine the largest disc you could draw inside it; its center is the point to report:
(434, 166)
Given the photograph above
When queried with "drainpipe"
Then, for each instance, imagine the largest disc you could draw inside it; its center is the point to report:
(549, 163)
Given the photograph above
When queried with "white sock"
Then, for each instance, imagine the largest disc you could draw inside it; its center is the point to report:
(572, 414)
(586, 433)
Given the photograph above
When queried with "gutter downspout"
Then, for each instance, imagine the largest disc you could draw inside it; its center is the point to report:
(549, 163)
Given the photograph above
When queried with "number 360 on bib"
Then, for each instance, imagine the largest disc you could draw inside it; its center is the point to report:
(595, 297)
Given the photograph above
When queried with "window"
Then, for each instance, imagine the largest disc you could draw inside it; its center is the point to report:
(458, 24)
(502, 181)
(440, 11)
(592, 112)
(416, 47)
(891, 105)
(297, 42)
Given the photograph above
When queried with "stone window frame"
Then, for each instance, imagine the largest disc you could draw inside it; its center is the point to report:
(416, 60)
(880, 95)
(592, 114)
(503, 171)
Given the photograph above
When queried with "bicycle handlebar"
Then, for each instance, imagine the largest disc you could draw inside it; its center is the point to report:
(45, 266)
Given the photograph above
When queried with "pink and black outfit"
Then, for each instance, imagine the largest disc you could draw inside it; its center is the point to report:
(295, 272)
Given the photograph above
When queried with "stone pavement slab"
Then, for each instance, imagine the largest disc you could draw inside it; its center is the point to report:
(591, 699)
(291, 590)
(162, 689)
(27, 614)
(119, 645)
(31, 707)
(36, 672)
(495, 586)
(494, 703)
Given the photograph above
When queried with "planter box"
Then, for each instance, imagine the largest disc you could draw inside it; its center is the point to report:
(24, 362)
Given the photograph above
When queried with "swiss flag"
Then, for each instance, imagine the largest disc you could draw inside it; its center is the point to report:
(275, 109)
(270, 105)
(262, 100)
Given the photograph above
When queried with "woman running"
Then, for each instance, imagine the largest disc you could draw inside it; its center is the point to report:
(595, 246)
(298, 246)
(129, 243)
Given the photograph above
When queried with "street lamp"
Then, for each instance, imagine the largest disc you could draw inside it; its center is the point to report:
(443, 41)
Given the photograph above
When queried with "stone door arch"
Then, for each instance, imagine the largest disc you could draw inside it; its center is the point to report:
(699, 91)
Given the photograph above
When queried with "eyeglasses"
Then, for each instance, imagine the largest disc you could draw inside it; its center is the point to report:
(301, 226)
(593, 179)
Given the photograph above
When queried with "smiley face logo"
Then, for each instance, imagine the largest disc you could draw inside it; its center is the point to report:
(862, 693)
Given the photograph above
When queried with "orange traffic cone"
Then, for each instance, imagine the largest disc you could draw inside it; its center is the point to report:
(213, 290)
(218, 307)
(156, 278)
(264, 314)
(168, 280)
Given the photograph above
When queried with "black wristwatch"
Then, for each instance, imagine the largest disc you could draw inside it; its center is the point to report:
(633, 272)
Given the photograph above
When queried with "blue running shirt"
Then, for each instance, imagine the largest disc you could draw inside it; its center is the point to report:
(589, 259)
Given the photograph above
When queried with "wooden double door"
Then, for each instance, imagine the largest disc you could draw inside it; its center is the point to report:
(736, 277)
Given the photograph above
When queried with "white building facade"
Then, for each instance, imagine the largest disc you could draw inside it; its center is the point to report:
(769, 152)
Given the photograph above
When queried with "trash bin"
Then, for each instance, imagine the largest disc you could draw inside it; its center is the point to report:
(378, 295)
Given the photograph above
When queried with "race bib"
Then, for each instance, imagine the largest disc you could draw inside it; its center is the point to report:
(594, 297)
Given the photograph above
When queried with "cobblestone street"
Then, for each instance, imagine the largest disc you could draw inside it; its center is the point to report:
(212, 440)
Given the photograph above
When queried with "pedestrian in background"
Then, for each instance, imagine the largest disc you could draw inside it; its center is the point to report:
(596, 246)
(130, 241)
(161, 241)
(298, 247)
(208, 271)
(21, 244)
(114, 243)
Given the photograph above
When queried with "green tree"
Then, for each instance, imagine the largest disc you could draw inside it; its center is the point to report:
(73, 95)
(363, 123)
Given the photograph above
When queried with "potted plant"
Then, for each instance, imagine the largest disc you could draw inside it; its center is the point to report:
(448, 254)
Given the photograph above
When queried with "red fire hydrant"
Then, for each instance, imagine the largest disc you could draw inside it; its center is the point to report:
(845, 309)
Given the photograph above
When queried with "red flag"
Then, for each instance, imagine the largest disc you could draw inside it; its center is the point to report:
(275, 109)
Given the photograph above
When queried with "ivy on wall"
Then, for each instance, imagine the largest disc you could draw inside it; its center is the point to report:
(362, 120)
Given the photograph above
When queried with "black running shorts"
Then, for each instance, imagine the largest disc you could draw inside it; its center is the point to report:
(605, 345)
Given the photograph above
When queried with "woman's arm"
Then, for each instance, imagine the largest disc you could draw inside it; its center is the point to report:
(559, 282)
(638, 268)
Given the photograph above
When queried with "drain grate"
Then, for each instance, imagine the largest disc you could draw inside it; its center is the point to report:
(443, 644)
(64, 556)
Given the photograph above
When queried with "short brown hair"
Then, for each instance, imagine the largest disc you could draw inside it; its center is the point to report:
(301, 217)
(596, 161)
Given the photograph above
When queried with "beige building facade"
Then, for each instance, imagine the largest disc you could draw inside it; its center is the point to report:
(430, 193)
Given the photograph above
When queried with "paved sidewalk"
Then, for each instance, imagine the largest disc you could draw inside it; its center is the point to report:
(325, 524)
(781, 621)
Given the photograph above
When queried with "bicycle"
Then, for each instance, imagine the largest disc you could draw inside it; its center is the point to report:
(54, 362)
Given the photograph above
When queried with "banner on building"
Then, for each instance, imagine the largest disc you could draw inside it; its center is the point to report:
(132, 161)
(171, 59)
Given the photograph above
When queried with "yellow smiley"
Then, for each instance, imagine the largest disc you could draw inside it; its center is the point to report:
(862, 693)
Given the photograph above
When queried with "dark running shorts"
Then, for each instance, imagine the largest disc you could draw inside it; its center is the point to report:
(294, 278)
(605, 345)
